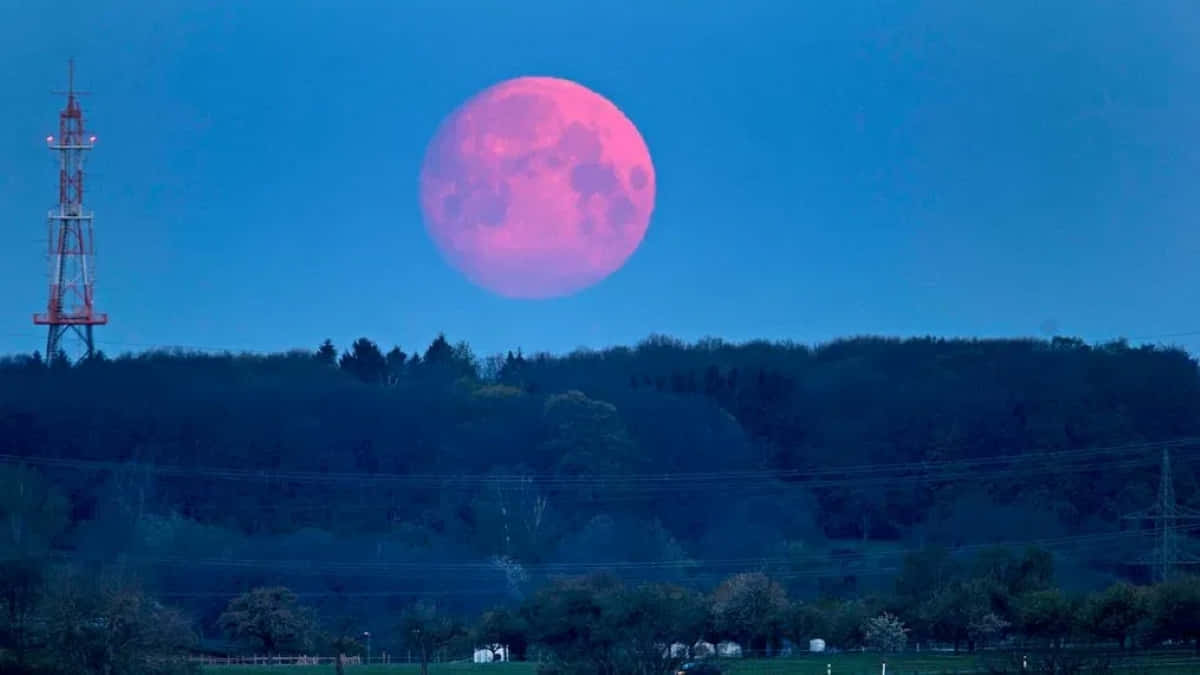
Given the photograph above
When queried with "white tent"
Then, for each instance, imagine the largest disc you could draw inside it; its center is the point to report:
(491, 654)
(729, 650)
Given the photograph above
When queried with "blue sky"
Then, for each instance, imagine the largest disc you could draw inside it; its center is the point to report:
(824, 169)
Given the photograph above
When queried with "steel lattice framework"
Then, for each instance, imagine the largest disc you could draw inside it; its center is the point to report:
(70, 308)
(1171, 521)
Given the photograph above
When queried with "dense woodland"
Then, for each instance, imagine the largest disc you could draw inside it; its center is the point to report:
(368, 479)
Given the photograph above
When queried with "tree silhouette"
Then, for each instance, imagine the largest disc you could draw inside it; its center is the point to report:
(326, 353)
(396, 360)
(271, 618)
(426, 629)
(364, 361)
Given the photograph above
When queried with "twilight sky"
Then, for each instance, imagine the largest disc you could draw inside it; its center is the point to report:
(824, 168)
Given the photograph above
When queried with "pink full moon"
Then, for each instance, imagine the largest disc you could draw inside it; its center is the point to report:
(537, 187)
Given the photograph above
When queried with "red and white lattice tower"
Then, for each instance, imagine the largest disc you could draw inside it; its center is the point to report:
(70, 308)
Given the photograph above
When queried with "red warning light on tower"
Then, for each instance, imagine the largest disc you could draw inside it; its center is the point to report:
(70, 308)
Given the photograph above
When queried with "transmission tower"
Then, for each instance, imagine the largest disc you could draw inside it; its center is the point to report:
(1169, 519)
(70, 311)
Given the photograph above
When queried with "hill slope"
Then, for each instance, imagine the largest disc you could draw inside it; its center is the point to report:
(379, 476)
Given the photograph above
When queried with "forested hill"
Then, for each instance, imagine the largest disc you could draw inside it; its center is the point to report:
(665, 457)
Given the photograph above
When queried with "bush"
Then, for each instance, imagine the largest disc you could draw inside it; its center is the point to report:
(885, 633)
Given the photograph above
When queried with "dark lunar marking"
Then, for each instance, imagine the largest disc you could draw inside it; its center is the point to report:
(515, 116)
(588, 179)
(638, 178)
(491, 207)
(452, 207)
(581, 143)
(519, 164)
(441, 162)
(621, 211)
(587, 225)
(442, 159)
(554, 161)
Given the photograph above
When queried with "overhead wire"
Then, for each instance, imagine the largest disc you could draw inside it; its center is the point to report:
(710, 572)
(854, 475)
(461, 568)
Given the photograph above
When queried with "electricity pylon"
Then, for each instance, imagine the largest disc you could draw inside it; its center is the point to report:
(1170, 519)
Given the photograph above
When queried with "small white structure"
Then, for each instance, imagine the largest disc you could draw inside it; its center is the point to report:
(491, 654)
(679, 650)
(816, 645)
(703, 650)
(729, 650)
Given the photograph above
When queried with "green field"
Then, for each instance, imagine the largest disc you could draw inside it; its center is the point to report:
(443, 668)
(1150, 663)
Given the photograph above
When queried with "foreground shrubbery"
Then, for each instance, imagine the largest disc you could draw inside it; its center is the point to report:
(71, 622)
(66, 621)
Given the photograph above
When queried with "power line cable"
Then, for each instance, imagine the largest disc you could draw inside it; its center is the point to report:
(462, 568)
(832, 476)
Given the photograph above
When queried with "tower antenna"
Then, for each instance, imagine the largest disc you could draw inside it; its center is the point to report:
(70, 310)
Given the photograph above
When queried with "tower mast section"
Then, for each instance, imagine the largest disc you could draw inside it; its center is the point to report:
(70, 309)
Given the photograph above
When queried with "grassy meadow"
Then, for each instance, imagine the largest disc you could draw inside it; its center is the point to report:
(1146, 663)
